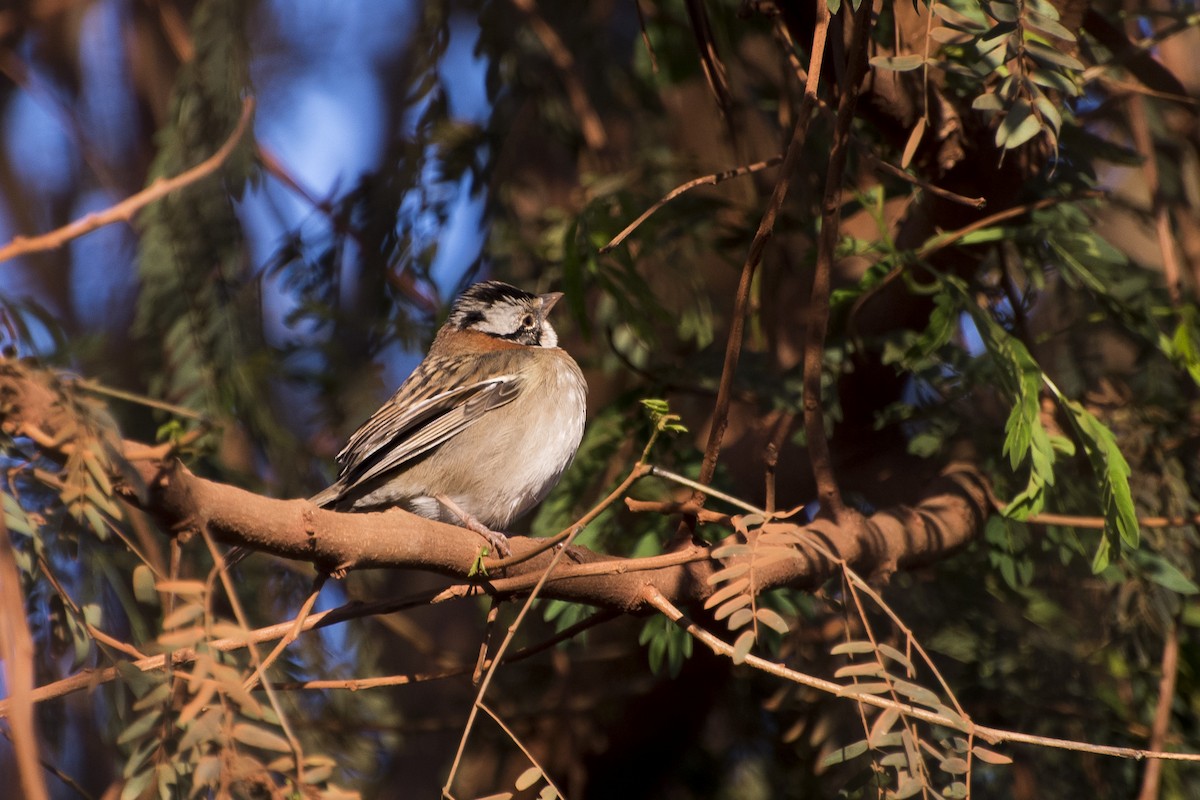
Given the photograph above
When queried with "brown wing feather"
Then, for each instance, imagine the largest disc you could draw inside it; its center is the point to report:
(419, 417)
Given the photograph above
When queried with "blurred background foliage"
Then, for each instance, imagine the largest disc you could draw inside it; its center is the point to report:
(403, 150)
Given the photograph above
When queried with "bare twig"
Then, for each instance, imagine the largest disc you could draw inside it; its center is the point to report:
(298, 628)
(491, 672)
(828, 493)
(992, 735)
(639, 469)
(704, 180)
(1162, 711)
(1144, 140)
(356, 684)
(125, 210)
(546, 775)
(260, 668)
(589, 121)
(766, 227)
(16, 651)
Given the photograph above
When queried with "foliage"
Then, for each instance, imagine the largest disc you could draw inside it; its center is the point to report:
(1051, 338)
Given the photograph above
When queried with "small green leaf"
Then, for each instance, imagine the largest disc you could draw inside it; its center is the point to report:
(256, 736)
(735, 604)
(143, 585)
(134, 787)
(989, 756)
(741, 647)
(1047, 55)
(740, 618)
(527, 779)
(1157, 569)
(870, 668)
(898, 63)
(726, 592)
(954, 765)
(897, 656)
(842, 754)
(772, 620)
(908, 786)
(852, 648)
(140, 726)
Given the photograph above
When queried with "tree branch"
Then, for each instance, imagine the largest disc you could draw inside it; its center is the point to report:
(16, 651)
(125, 210)
(950, 512)
(818, 304)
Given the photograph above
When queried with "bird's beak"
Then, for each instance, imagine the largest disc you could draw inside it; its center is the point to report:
(548, 301)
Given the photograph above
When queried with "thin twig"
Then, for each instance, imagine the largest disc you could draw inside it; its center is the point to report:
(589, 121)
(993, 735)
(357, 684)
(733, 343)
(1162, 711)
(896, 172)
(508, 731)
(491, 672)
(55, 771)
(1088, 522)
(16, 651)
(256, 661)
(292, 635)
(828, 494)
(943, 240)
(95, 387)
(1144, 141)
(125, 210)
(704, 180)
(639, 469)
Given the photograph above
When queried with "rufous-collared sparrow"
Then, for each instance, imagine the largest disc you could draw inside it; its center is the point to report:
(481, 430)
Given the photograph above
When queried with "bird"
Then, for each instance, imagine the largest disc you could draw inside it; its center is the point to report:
(482, 429)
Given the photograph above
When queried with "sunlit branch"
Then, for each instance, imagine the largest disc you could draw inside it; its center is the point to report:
(16, 651)
(128, 208)
(989, 734)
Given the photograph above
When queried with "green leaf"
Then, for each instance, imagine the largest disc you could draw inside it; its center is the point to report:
(1047, 55)
(772, 620)
(898, 63)
(1112, 472)
(954, 765)
(527, 779)
(134, 787)
(955, 791)
(852, 648)
(140, 726)
(1157, 569)
(741, 647)
(842, 754)
(1048, 24)
(897, 656)
(726, 592)
(869, 669)
(989, 756)
(256, 736)
(1018, 126)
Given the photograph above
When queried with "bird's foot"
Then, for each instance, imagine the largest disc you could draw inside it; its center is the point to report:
(495, 539)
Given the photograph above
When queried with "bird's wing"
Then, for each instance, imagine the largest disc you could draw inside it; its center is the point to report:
(409, 425)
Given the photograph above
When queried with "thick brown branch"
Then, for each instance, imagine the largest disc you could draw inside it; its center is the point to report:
(951, 511)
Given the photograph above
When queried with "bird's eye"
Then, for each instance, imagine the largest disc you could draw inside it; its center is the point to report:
(527, 321)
